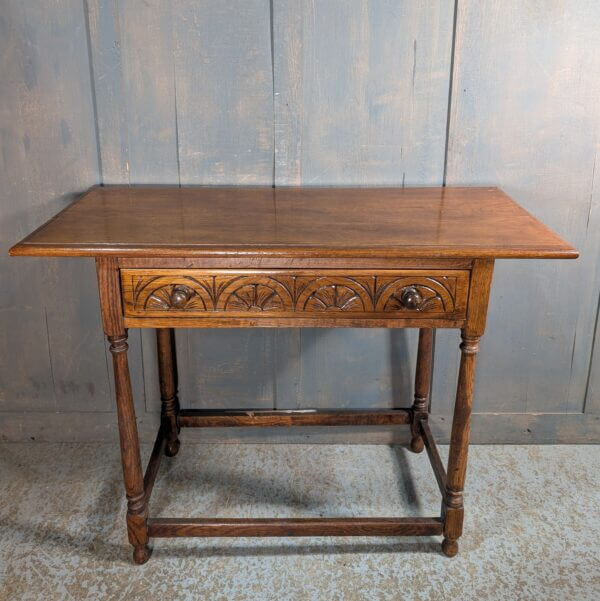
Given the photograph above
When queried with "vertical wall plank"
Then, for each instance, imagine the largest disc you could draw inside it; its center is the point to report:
(223, 85)
(49, 310)
(355, 369)
(524, 116)
(23, 384)
(75, 334)
(229, 368)
(105, 68)
(361, 93)
(134, 77)
(134, 81)
(224, 91)
(148, 81)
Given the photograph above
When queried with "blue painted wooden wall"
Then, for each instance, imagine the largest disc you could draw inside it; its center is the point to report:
(302, 92)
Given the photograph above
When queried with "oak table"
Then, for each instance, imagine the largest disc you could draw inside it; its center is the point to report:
(171, 257)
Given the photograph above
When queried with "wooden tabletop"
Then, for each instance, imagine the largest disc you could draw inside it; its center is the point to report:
(295, 222)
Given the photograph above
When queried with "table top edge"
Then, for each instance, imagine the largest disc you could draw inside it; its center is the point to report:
(27, 249)
(557, 249)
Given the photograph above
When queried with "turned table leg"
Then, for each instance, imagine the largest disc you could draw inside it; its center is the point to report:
(137, 509)
(453, 507)
(422, 387)
(112, 317)
(168, 389)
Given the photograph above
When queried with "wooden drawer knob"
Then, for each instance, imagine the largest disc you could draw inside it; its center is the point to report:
(180, 296)
(410, 298)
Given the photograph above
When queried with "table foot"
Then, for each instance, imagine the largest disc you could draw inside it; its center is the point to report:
(141, 554)
(449, 547)
(416, 444)
(172, 447)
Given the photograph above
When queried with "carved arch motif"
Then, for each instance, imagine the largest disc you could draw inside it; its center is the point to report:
(252, 293)
(437, 294)
(333, 294)
(169, 293)
(283, 293)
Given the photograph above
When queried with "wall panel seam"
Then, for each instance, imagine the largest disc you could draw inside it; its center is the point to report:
(450, 84)
(50, 358)
(591, 361)
(88, 41)
(177, 150)
(272, 42)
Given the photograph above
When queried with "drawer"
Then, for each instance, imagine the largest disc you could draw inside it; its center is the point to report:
(391, 293)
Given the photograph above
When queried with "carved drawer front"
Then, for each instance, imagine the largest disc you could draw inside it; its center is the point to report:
(295, 293)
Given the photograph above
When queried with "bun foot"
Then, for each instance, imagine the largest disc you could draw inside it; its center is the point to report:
(141, 554)
(416, 444)
(449, 547)
(172, 448)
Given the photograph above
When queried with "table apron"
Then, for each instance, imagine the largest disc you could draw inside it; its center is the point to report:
(294, 297)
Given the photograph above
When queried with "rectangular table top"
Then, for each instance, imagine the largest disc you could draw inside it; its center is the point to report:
(167, 221)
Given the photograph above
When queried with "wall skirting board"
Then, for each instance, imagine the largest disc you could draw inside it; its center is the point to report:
(487, 428)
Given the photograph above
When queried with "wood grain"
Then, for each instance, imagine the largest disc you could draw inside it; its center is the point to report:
(291, 263)
(293, 293)
(167, 375)
(154, 463)
(453, 504)
(434, 456)
(325, 222)
(285, 322)
(288, 418)
(417, 526)
(420, 407)
(112, 318)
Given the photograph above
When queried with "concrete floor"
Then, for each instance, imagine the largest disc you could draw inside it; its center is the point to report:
(532, 527)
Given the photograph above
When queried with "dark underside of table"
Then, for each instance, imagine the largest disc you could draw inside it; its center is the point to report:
(294, 257)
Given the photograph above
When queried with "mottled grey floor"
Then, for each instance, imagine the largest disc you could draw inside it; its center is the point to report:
(532, 527)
